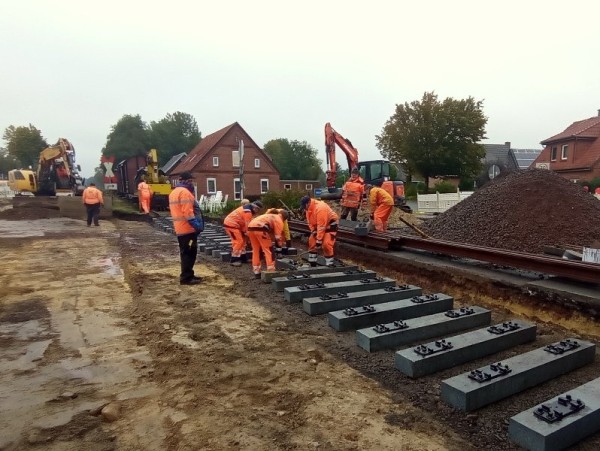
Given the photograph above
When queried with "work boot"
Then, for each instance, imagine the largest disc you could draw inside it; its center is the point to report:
(235, 261)
(189, 282)
(244, 258)
(257, 276)
(312, 259)
(329, 261)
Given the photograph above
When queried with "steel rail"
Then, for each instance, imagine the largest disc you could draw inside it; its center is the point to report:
(571, 269)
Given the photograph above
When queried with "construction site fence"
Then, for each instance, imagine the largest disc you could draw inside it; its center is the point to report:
(440, 202)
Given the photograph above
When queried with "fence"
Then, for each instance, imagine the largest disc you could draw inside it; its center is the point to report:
(439, 203)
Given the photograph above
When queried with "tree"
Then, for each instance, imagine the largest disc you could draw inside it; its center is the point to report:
(294, 160)
(436, 139)
(174, 134)
(24, 144)
(341, 175)
(129, 137)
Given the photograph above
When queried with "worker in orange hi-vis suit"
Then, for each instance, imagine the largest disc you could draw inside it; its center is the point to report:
(236, 226)
(92, 199)
(263, 230)
(352, 193)
(323, 225)
(382, 204)
(145, 196)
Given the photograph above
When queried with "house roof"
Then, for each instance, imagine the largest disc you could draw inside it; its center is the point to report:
(525, 157)
(500, 153)
(173, 162)
(207, 144)
(587, 128)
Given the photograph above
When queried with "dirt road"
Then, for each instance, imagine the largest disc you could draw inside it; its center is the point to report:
(102, 349)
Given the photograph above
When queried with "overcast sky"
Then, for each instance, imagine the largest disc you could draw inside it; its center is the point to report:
(283, 69)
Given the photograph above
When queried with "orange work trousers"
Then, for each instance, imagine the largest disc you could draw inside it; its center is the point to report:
(145, 204)
(238, 241)
(328, 244)
(381, 216)
(261, 241)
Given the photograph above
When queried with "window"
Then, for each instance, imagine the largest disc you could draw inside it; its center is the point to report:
(308, 187)
(237, 189)
(211, 186)
(264, 186)
(257, 162)
(287, 186)
(553, 153)
(565, 152)
(215, 162)
(235, 158)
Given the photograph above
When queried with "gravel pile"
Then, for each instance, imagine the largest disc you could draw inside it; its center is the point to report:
(523, 211)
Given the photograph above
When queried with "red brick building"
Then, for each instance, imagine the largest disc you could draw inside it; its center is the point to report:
(574, 153)
(215, 164)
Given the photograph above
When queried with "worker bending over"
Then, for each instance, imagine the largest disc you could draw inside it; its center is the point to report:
(263, 230)
(236, 226)
(144, 196)
(323, 225)
(352, 193)
(286, 226)
(381, 203)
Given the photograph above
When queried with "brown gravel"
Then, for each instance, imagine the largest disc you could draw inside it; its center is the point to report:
(523, 211)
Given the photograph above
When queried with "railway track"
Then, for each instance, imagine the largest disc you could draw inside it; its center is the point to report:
(549, 265)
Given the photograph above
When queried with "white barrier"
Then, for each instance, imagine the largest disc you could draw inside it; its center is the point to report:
(439, 203)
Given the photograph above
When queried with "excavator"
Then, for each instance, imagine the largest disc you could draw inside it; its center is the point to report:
(373, 172)
(156, 179)
(56, 173)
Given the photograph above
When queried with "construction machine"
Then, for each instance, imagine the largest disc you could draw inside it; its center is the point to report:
(373, 172)
(56, 173)
(156, 179)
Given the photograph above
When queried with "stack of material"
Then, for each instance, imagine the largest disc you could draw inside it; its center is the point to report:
(523, 211)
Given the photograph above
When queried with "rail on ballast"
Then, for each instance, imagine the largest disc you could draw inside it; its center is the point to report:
(551, 265)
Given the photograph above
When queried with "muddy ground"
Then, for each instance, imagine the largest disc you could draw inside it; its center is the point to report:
(102, 349)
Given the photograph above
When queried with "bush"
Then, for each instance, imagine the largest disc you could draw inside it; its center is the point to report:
(412, 189)
(291, 198)
(466, 185)
(444, 187)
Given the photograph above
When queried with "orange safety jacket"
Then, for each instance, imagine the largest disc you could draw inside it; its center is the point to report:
(238, 219)
(319, 216)
(379, 196)
(286, 226)
(181, 205)
(270, 223)
(352, 193)
(144, 190)
(92, 195)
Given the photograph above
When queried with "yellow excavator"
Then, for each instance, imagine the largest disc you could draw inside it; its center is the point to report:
(156, 179)
(56, 173)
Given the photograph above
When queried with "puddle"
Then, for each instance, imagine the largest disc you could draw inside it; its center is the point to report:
(111, 264)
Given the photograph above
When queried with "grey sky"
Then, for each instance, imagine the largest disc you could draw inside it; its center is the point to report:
(284, 69)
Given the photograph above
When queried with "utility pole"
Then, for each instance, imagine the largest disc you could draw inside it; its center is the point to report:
(241, 151)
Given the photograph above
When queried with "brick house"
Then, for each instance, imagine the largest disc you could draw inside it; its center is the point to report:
(215, 164)
(299, 185)
(574, 153)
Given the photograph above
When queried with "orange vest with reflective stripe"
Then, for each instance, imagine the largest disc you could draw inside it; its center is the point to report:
(273, 222)
(144, 190)
(92, 195)
(319, 215)
(181, 204)
(352, 193)
(238, 219)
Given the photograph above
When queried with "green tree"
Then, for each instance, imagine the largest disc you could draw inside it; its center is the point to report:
(434, 138)
(24, 144)
(295, 160)
(174, 134)
(129, 137)
(341, 175)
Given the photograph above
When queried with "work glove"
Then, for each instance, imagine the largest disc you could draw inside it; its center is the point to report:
(319, 244)
(372, 217)
(197, 224)
(313, 233)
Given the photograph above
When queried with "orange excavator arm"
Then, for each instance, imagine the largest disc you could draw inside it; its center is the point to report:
(333, 138)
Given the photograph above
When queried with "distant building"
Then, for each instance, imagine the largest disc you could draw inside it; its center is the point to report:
(215, 164)
(575, 152)
(299, 185)
(172, 163)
